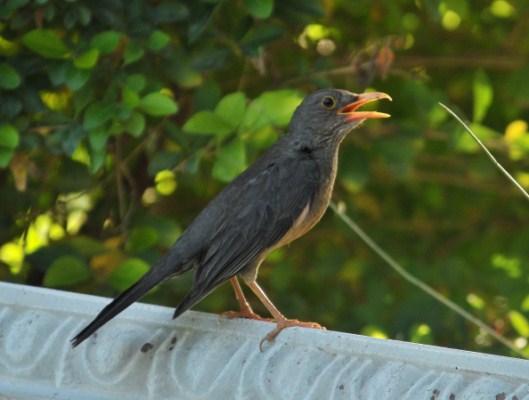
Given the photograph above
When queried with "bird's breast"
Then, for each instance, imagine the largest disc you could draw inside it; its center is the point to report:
(310, 215)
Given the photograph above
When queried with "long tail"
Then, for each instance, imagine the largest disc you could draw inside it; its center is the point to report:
(125, 299)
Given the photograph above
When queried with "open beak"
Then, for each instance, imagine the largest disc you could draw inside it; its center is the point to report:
(353, 115)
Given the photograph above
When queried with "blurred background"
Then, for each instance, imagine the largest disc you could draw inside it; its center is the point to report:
(121, 119)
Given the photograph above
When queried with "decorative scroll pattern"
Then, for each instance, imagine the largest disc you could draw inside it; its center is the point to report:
(215, 360)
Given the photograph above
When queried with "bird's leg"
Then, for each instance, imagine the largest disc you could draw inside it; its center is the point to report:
(246, 309)
(280, 319)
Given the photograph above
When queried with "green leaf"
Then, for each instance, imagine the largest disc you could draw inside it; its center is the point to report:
(97, 159)
(198, 24)
(163, 160)
(98, 138)
(87, 60)
(127, 273)
(66, 271)
(208, 123)
(106, 41)
(82, 98)
(5, 157)
(519, 323)
(231, 108)
(207, 95)
(158, 105)
(9, 77)
(274, 107)
(157, 41)
(135, 124)
(230, 161)
(9, 136)
(86, 246)
(9, 139)
(170, 12)
(209, 58)
(76, 78)
(97, 114)
(130, 97)
(259, 35)
(525, 304)
(135, 82)
(483, 94)
(259, 8)
(132, 53)
(141, 238)
(46, 43)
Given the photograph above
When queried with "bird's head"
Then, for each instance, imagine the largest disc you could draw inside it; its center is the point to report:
(328, 115)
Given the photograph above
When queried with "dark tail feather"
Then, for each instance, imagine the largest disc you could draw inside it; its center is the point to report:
(192, 298)
(125, 299)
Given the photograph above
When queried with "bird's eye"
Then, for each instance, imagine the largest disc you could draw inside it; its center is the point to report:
(328, 102)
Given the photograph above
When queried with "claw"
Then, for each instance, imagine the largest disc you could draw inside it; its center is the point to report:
(287, 323)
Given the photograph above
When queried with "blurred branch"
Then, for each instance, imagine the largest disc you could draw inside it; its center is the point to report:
(404, 63)
(421, 285)
(505, 62)
(122, 205)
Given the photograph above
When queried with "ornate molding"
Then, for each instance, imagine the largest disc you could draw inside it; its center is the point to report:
(144, 354)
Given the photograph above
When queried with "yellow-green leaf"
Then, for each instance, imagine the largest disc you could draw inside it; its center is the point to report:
(519, 323)
(483, 94)
(87, 60)
(165, 182)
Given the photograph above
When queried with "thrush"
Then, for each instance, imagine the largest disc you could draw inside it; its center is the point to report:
(277, 199)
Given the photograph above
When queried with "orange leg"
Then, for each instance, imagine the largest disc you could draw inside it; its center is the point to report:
(246, 309)
(281, 320)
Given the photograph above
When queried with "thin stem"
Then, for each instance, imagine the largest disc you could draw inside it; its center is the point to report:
(421, 285)
(487, 152)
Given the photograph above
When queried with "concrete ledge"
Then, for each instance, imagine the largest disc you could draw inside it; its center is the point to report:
(144, 354)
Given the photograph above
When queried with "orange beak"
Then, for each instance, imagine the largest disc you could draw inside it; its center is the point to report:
(353, 115)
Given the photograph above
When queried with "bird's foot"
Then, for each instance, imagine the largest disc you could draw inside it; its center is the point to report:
(248, 314)
(287, 323)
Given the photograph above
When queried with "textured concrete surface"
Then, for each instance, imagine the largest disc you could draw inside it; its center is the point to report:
(144, 354)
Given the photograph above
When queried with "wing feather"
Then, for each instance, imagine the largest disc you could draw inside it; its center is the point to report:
(268, 205)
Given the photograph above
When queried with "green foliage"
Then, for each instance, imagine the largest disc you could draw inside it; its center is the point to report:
(9, 77)
(158, 105)
(66, 271)
(127, 273)
(482, 95)
(46, 43)
(119, 123)
(230, 161)
(9, 139)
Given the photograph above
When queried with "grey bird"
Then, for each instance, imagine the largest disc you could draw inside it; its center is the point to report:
(276, 200)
